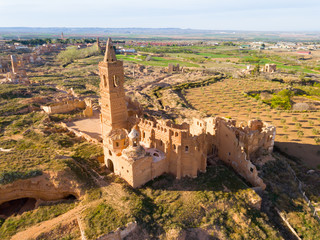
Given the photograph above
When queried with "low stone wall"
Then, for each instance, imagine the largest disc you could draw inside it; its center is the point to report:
(64, 107)
(120, 233)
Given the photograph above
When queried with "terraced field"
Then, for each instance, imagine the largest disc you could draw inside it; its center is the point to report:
(297, 132)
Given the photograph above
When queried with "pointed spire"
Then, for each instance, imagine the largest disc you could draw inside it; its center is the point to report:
(110, 55)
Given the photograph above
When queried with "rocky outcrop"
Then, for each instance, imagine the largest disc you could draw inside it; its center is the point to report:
(48, 187)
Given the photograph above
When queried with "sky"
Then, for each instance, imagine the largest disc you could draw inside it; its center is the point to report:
(271, 15)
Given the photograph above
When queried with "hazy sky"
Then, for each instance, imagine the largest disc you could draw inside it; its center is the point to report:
(293, 15)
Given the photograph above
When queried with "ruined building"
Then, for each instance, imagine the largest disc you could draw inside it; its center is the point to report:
(4, 66)
(173, 68)
(139, 148)
(18, 74)
(270, 68)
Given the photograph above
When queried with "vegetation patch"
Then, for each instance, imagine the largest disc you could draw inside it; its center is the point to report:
(216, 198)
(14, 224)
(102, 219)
(8, 177)
(72, 53)
(284, 193)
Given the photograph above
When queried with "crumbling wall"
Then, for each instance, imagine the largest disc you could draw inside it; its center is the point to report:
(120, 234)
(4, 66)
(64, 107)
(259, 138)
(231, 150)
(173, 68)
(124, 168)
(270, 68)
(146, 169)
(17, 74)
(186, 154)
(88, 112)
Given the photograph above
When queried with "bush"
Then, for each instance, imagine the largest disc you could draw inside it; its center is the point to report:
(300, 134)
(315, 131)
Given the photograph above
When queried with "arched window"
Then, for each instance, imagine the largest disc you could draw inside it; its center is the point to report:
(110, 165)
(105, 82)
(186, 148)
(116, 81)
(135, 143)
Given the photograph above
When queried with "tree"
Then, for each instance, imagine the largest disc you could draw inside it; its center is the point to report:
(256, 70)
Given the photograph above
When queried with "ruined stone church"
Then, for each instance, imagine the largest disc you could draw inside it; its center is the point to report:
(139, 148)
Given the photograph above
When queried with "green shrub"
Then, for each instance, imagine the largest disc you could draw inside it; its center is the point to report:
(281, 100)
(300, 134)
(315, 131)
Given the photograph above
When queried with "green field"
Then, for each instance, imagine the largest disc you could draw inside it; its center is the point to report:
(156, 61)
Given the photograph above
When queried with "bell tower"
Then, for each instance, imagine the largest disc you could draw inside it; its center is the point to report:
(114, 112)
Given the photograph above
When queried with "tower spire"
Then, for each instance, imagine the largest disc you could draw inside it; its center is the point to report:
(110, 55)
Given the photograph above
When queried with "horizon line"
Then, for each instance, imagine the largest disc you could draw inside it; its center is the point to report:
(194, 29)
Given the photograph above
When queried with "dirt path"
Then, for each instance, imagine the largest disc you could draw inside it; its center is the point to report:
(46, 226)
(113, 192)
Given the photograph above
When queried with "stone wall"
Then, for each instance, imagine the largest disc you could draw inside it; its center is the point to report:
(173, 68)
(185, 153)
(120, 234)
(232, 149)
(270, 68)
(64, 107)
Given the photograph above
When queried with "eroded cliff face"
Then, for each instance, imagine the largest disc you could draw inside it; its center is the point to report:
(49, 186)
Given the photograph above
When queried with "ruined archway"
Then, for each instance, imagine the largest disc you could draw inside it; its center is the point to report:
(110, 165)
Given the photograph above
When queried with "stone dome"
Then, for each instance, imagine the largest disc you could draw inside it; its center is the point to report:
(134, 152)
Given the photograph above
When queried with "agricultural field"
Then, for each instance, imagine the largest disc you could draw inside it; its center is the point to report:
(298, 132)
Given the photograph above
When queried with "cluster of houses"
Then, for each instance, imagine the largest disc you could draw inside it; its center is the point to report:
(300, 47)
